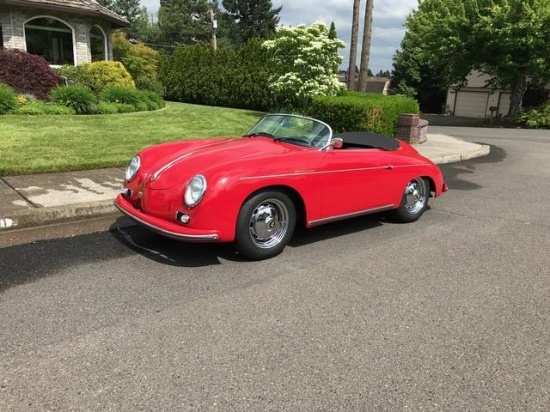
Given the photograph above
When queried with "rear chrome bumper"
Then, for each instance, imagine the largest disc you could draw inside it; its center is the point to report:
(163, 227)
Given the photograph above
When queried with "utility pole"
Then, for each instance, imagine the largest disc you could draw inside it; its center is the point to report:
(214, 23)
(353, 46)
(365, 49)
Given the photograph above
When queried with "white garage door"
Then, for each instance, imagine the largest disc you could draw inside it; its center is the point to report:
(471, 104)
(504, 104)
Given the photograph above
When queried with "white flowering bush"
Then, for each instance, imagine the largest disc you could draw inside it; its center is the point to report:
(306, 62)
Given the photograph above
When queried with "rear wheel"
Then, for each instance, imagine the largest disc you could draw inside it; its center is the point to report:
(414, 202)
(265, 225)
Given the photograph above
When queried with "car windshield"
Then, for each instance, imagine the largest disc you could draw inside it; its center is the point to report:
(298, 130)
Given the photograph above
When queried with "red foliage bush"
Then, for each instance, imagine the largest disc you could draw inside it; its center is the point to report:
(27, 73)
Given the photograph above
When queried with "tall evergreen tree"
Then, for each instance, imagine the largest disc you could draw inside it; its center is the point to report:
(184, 22)
(132, 11)
(253, 18)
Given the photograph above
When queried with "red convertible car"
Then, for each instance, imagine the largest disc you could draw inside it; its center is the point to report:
(287, 170)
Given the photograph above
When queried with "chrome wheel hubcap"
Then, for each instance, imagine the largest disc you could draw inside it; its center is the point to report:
(415, 195)
(268, 223)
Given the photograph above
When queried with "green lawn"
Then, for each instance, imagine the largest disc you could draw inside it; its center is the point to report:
(40, 144)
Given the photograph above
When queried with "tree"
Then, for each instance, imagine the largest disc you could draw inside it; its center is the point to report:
(383, 73)
(416, 76)
(253, 18)
(353, 46)
(305, 62)
(506, 39)
(184, 22)
(132, 11)
(365, 48)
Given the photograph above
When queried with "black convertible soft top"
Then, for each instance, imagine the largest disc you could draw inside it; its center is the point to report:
(368, 140)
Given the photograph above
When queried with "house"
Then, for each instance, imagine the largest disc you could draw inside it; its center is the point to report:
(379, 85)
(474, 99)
(62, 31)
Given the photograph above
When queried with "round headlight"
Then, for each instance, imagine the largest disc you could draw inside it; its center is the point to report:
(195, 190)
(132, 168)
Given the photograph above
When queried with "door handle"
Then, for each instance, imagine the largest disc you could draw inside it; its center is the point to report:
(389, 167)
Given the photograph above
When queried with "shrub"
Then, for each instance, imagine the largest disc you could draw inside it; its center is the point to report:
(140, 61)
(125, 108)
(97, 76)
(123, 95)
(38, 107)
(538, 117)
(107, 73)
(151, 99)
(27, 73)
(77, 97)
(355, 111)
(8, 98)
(57, 109)
(106, 108)
(305, 60)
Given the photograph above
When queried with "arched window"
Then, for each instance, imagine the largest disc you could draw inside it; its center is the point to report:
(51, 39)
(97, 44)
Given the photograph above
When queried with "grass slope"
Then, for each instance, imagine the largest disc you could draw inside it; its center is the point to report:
(40, 144)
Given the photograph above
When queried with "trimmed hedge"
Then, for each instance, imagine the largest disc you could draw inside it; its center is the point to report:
(27, 73)
(225, 77)
(354, 111)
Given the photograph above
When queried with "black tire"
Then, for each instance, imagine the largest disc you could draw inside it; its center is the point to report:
(414, 202)
(265, 225)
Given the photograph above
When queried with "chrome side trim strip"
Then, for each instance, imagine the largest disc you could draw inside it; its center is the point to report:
(311, 173)
(350, 215)
(167, 233)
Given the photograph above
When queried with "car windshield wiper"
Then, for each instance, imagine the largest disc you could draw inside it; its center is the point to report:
(260, 134)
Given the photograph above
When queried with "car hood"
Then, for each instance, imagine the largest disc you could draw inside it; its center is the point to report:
(170, 163)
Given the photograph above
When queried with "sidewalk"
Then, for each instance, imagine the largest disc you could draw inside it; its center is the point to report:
(36, 200)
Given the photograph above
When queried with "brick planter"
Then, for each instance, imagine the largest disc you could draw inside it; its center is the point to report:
(411, 128)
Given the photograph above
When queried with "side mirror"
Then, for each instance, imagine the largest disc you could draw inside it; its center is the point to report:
(335, 143)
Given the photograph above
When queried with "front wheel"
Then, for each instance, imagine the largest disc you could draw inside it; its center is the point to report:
(265, 225)
(414, 202)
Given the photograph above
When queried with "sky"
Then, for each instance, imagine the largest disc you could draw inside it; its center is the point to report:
(388, 30)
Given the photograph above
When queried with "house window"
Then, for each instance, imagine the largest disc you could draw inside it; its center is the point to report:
(51, 39)
(97, 44)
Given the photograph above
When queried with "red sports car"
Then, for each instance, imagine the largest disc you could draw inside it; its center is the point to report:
(287, 170)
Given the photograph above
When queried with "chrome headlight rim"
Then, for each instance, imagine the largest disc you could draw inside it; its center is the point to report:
(133, 167)
(195, 190)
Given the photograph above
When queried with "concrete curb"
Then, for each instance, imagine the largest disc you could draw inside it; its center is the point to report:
(48, 215)
(483, 150)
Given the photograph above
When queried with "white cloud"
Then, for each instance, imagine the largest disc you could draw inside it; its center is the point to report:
(388, 31)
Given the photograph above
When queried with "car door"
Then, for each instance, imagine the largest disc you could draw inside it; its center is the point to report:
(356, 181)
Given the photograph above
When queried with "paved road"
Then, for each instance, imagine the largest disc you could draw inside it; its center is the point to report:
(451, 313)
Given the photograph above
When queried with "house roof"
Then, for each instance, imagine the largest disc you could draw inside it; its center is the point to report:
(82, 7)
(376, 84)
